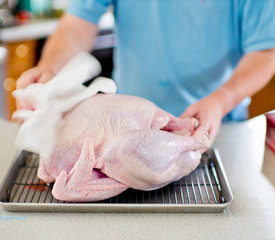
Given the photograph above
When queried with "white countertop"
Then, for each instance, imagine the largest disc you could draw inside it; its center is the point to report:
(43, 28)
(251, 216)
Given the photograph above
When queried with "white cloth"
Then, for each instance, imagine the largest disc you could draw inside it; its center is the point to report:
(50, 100)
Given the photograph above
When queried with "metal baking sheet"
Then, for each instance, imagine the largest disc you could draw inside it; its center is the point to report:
(206, 189)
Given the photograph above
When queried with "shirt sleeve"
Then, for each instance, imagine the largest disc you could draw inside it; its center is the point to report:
(257, 25)
(90, 10)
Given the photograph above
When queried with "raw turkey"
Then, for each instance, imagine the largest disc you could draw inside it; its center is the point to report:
(111, 142)
(95, 146)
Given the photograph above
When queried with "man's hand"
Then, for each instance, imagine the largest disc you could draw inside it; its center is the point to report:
(209, 111)
(253, 72)
(33, 75)
(72, 36)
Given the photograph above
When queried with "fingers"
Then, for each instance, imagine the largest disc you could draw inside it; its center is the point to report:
(23, 104)
(210, 125)
(175, 123)
(33, 75)
(208, 121)
(209, 112)
(28, 77)
(204, 124)
(23, 81)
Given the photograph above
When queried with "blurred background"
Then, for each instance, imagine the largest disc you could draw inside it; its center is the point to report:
(25, 25)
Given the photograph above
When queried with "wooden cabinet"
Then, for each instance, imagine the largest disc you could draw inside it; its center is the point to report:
(263, 101)
(21, 56)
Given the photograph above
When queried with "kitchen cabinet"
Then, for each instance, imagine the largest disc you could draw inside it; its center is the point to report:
(21, 56)
(264, 100)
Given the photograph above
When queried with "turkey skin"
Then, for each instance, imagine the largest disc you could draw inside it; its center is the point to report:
(111, 142)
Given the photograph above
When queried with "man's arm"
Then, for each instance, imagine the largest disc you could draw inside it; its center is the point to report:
(72, 36)
(253, 72)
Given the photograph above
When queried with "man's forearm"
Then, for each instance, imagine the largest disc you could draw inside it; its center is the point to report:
(253, 72)
(72, 36)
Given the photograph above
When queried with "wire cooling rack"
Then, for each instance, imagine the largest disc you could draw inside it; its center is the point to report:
(204, 189)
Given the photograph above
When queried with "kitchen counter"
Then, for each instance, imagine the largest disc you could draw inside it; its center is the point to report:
(251, 216)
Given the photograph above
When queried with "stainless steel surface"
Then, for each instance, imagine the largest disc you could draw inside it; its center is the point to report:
(206, 189)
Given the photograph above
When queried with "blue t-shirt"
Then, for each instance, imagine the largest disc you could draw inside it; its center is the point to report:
(175, 52)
